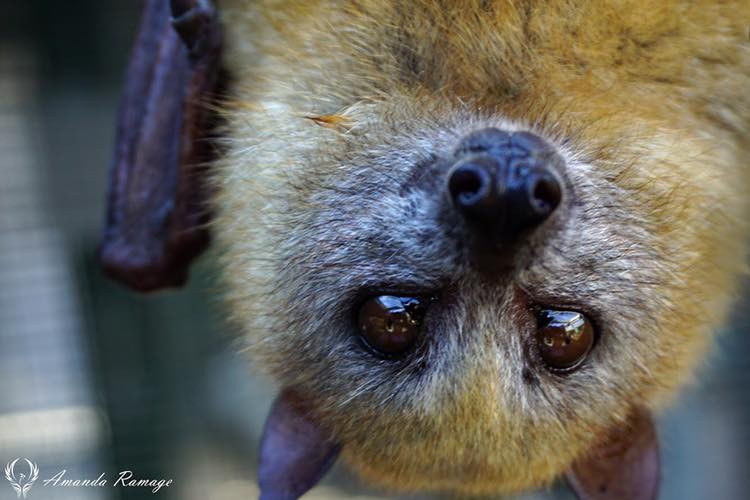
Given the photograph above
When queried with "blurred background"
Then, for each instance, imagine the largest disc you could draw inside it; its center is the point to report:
(96, 379)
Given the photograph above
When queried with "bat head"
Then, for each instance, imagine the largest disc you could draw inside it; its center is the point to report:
(455, 351)
(383, 260)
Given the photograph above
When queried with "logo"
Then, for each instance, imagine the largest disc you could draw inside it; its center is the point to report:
(22, 473)
(20, 480)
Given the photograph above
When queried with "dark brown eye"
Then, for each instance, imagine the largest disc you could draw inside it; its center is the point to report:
(391, 324)
(564, 338)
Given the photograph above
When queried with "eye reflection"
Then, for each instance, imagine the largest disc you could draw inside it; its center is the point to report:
(564, 338)
(391, 324)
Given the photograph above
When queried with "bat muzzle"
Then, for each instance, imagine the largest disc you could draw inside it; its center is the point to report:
(504, 184)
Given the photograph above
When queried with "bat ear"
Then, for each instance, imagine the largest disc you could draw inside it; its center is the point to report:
(295, 453)
(156, 214)
(625, 464)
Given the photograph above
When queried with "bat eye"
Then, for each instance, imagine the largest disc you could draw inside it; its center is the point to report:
(389, 324)
(564, 339)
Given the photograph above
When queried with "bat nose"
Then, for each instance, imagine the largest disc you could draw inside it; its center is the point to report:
(504, 184)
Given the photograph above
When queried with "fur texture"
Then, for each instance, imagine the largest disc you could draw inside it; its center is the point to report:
(332, 189)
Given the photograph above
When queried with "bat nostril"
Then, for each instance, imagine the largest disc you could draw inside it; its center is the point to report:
(470, 185)
(544, 193)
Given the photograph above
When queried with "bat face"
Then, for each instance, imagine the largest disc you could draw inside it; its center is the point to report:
(477, 236)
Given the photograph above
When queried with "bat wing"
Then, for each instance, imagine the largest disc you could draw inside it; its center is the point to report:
(156, 213)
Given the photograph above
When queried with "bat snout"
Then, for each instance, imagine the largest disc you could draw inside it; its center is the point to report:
(504, 184)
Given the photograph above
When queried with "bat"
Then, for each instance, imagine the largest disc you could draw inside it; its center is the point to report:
(476, 243)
